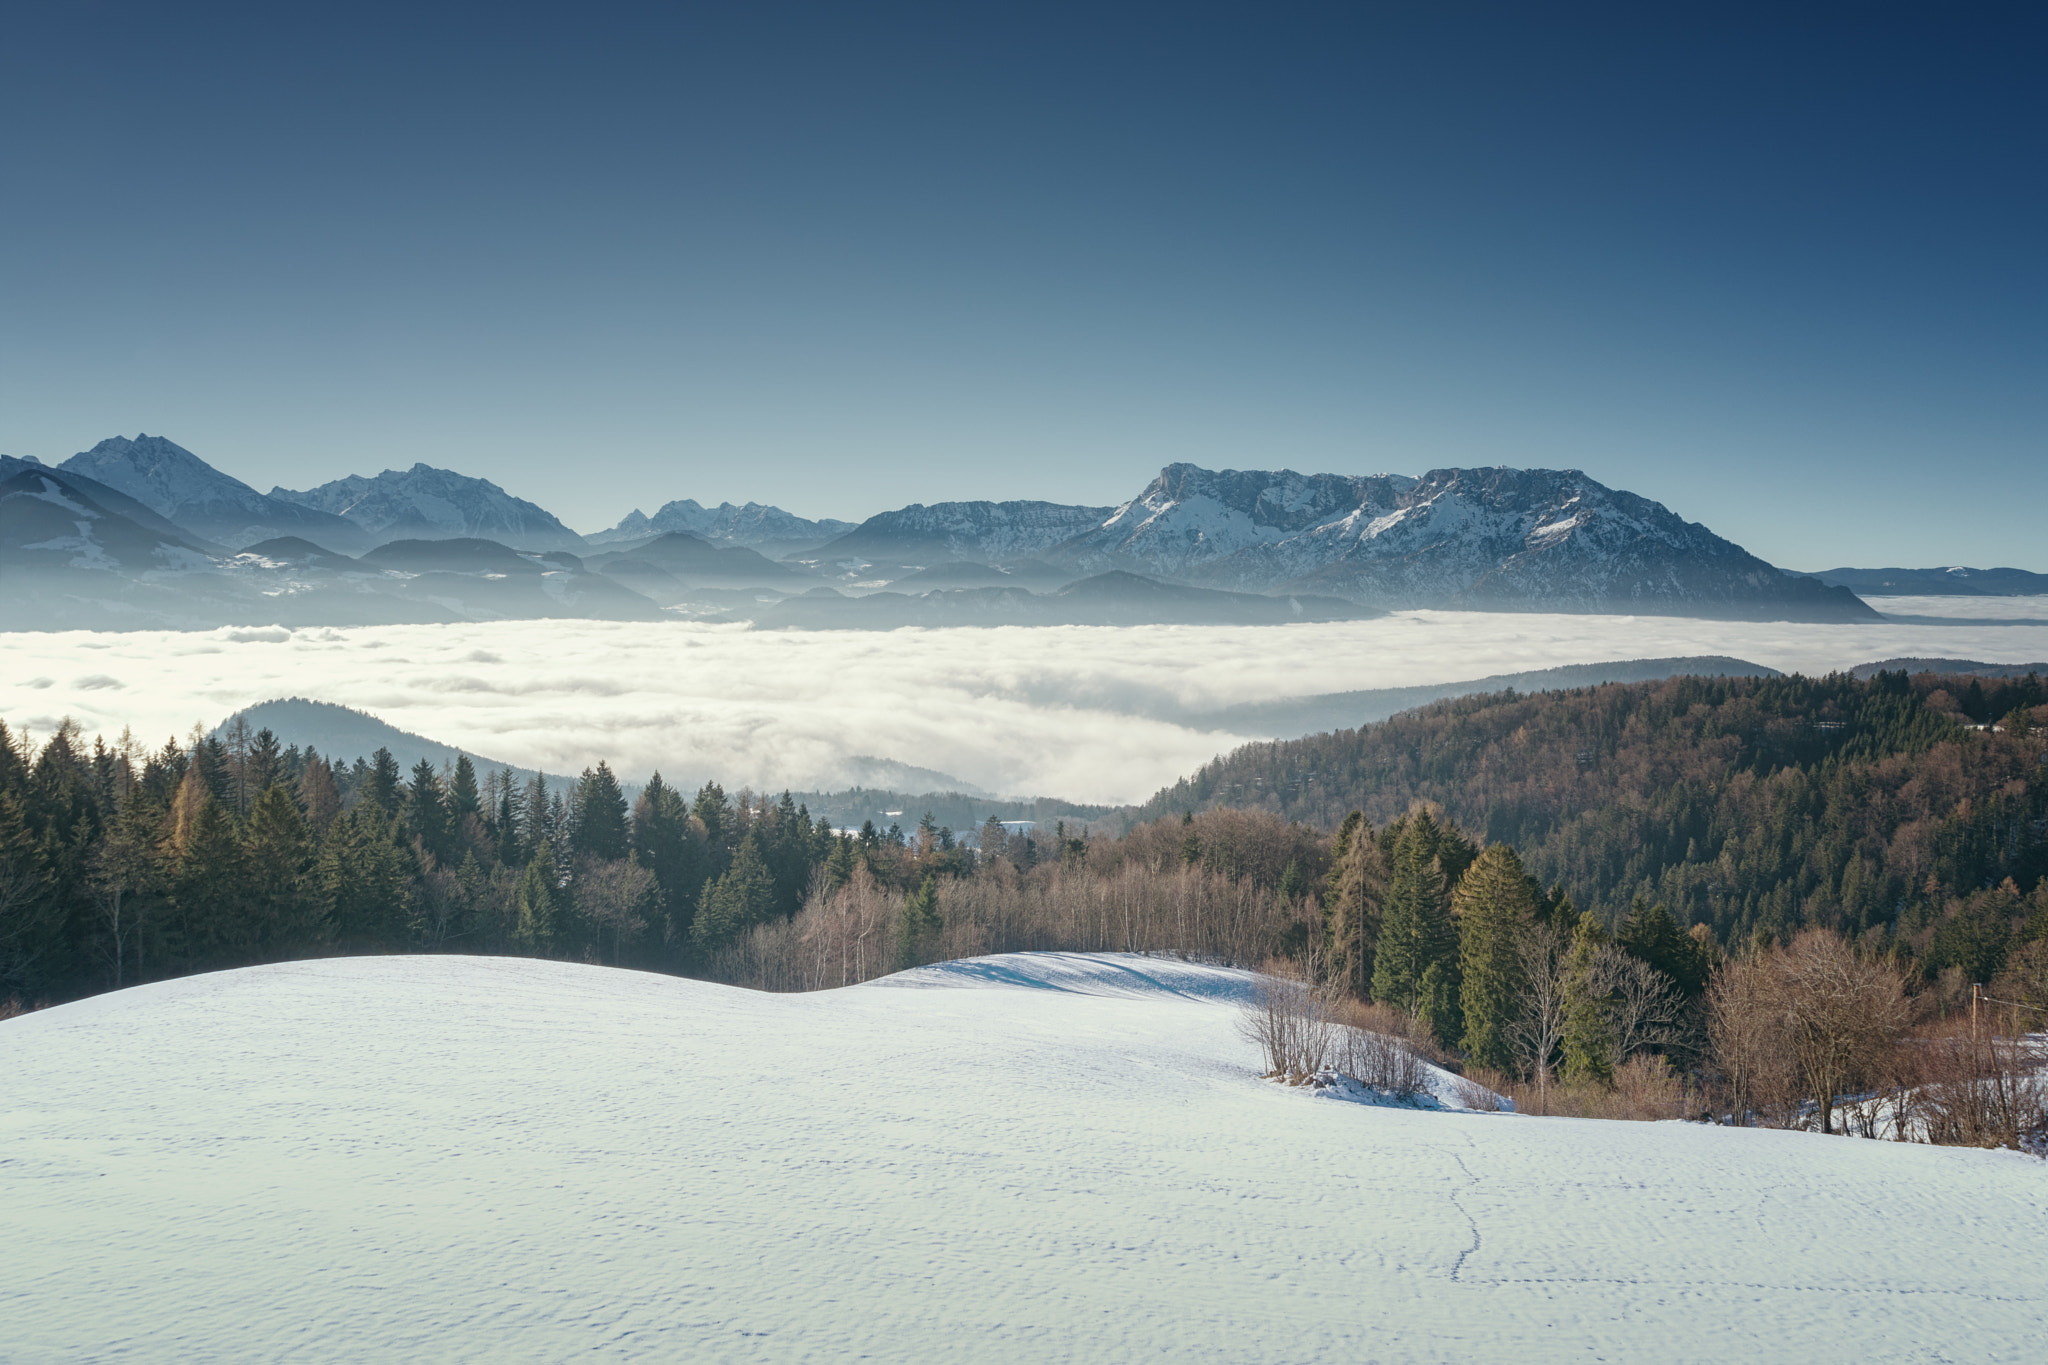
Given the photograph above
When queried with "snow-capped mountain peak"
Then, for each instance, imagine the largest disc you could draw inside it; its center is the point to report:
(174, 483)
(426, 503)
(755, 525)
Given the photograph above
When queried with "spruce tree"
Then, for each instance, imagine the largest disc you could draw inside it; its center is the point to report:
(365, 880)
(380, 786)
(1354, 901)
(1415, 929)
(600, 816)
(533, 905)
(288, 916)
(918, 929)
(1494, 906)
(736, 901)
(209, 893)
(463, 797)
(427, 809)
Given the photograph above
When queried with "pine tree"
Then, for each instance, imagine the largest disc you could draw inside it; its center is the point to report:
(919, 927)
(380, 786)
(1494, 906)
(289, 919)
(667, 843)
(533, 904)
(463, 797)
(740, 899)
(365, 880)
(209, 893)
(1648, 932)
(1415, 929)
(600, 816)
(1354, 901)
(263, 765)
(427, 809)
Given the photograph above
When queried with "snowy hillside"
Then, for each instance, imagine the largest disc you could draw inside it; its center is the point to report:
(1023, 1158)
(753, 526)
(984, 532)
(425, 503)
(173, 482)
(1501, 539)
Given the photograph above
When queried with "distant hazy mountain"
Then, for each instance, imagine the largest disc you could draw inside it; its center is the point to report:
(344, 734)
(753, 526)
(425, 503)
(1292, 717)
(174, 483)
(1956, 582)
(1965, 666)
(1493, 539)
(984, 532)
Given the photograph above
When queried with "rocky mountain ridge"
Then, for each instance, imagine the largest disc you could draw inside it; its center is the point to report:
(425, 503)
(1495, 539)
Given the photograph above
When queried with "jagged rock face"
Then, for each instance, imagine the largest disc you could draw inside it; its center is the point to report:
(425, 503)
(173, 482)
(982, 531)
(1190, 518)
(1496, 538)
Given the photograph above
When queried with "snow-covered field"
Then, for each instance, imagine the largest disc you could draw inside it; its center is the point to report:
(1031, 1158)
(1085, 713)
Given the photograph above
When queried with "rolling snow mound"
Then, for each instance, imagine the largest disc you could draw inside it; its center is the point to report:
(1031, 1157)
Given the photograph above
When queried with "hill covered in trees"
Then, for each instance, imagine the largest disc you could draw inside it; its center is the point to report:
(1746, 804)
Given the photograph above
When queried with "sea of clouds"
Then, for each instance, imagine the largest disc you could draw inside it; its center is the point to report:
(1085, 713)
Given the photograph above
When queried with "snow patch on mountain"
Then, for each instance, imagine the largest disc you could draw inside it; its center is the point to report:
(1501, 538)
(425, 503)
(174, 483)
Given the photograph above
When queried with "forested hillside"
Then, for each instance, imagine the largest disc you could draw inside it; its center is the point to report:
(1746, 804)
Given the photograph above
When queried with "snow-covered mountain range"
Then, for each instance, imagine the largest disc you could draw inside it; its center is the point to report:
(980, 531)
(1489, 539)
(173, 482)
(1495, 538)
(754, 526)
(425, 503)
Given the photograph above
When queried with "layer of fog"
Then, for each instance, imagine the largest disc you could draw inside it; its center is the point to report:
(1086, 713)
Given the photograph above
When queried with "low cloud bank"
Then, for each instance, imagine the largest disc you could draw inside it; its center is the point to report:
(1086, 713)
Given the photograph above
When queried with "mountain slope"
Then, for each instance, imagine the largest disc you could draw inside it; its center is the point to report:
(985, 532)
(1490, 539)
(1953, 582)
(178, 485)
(753, 526)
(425, 503)
(1023, 1158)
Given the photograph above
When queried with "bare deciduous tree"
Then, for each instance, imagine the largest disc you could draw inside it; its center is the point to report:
(613, 894)
(1538, 1031)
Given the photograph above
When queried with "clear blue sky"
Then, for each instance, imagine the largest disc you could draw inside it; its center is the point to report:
(1786, 272)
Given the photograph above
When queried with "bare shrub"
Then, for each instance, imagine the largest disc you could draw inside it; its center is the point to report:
(1294, 1022)
(1381, 1062)
(1484, 1090)
(1644, 1089)
(1983, 1088)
